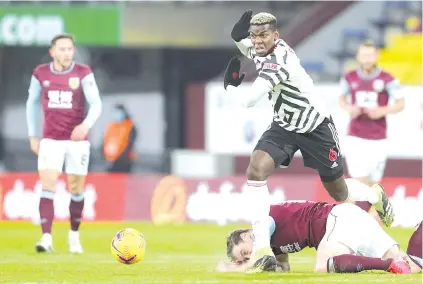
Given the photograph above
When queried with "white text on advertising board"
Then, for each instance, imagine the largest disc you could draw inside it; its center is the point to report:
(29, 30)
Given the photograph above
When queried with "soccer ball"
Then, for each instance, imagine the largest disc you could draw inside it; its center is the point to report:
(128, 246)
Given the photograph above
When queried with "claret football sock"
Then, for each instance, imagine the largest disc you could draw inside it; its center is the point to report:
(414, 248)
(348, 263)
(358, 191)
(76, 207)
(46, 211)
(259, 210)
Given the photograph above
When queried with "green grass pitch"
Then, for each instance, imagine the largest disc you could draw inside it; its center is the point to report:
(175, 254)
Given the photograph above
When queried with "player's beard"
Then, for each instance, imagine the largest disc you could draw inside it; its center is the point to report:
(64, 64)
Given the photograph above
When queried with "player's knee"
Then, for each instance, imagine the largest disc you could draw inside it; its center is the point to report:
(76, 183)
(256, 172)
(48, 179)
(337, 188)
(261, 166)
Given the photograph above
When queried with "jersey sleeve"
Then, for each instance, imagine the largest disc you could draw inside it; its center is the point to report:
(33, 107)
(344, 86)
(393, 88)
(245, 47)
(274, 73)
(92, 96)
(253, 94)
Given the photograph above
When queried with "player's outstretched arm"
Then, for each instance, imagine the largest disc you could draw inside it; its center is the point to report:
(33, 108)
(92, 95)
(240, 33)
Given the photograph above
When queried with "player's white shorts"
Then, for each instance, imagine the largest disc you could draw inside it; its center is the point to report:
(75, 155)
(353, 227)
(365, 158)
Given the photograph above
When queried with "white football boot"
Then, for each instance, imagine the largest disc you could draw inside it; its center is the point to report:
(45, 244)
(74, 242)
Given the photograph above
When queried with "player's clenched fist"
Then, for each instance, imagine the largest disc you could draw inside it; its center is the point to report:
(232, 73)
(35, 144)
(240, 29)
(80, 132)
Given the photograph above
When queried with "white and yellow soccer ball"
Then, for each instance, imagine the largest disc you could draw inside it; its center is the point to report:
(128, 246)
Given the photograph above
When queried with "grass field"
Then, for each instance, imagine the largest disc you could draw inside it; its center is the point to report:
(175, 254)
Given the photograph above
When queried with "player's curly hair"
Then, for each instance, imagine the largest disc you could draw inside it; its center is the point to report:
(263, 19)
(232, 240)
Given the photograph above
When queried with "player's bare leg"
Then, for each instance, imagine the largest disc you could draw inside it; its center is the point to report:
(48, 179)
(76, 206)
(345, 190)
(260, 167)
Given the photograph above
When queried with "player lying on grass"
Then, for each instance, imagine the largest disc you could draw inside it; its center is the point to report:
(346, 238)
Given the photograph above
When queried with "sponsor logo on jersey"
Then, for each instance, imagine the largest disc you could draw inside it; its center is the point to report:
(46, 83)
(271, 66)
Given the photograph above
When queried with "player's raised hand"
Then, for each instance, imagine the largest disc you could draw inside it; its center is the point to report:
(34, 143)
(232, 76)
(240, 29)
(80, 132)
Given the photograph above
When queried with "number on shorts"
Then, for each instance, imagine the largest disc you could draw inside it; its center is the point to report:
(84, 159)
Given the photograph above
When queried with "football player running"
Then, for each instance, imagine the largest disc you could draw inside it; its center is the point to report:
(301, 122)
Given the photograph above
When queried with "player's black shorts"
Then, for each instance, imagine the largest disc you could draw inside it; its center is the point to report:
(319, 148)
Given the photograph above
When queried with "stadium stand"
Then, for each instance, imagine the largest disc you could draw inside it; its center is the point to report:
(400, 41)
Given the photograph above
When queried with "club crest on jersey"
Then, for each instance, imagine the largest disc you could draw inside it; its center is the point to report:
(271, 66)
(74, 82)
(46, 83)
(378, 85)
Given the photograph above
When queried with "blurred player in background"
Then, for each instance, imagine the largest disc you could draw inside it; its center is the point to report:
(347, 240)
(369, 89)
(365, 94)
(301, 122)
(62, 88)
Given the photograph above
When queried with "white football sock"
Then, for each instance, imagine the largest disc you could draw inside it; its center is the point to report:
(260, 208)
(358, 191)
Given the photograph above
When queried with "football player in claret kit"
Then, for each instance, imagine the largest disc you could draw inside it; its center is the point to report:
(301, 123)
(346, 238)
(370, 89)
(63, 89)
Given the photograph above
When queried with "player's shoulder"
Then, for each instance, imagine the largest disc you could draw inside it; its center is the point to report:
(41, 68)
(351, 75)
(82, 69)
(386, 76)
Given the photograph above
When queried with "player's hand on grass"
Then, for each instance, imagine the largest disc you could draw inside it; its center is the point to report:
(240, 29)
(232, 73)
(375, 113)
(34, 143)
(80, 132)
